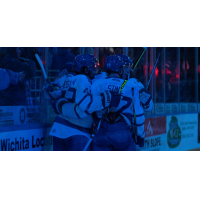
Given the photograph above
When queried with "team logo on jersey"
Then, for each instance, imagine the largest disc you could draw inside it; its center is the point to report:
(22, 115)
(174, 133)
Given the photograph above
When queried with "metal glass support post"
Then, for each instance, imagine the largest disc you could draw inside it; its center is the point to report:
(82, 50)
(179, 60)
(154, 79)
(196, 76)
(42, 109)
(164, 73)
(150, 71)
(96, 52)
(46, 67)
(125, 51)
(146, 66)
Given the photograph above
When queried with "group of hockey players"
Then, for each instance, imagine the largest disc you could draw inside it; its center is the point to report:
(98, 111)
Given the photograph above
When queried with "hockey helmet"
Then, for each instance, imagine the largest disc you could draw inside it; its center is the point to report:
(127, 60)
(69, 66)
(113, 63)
(85, 60)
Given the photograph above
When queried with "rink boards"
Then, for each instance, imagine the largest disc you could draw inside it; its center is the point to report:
(172, 133)
(22, 128)
(178, 132)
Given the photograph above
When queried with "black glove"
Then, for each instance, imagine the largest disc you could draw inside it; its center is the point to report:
(57, 104)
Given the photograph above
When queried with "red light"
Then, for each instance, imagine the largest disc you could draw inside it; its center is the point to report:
(199, 69)
(168, 72)
(145, 70)
(187, 64)
(177, 76)
(157, 71)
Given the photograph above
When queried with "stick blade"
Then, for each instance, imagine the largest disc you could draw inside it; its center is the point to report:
(41, 65)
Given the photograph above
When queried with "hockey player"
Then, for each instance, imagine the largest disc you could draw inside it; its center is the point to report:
(115, 129)
(75, 105)
(145, 96)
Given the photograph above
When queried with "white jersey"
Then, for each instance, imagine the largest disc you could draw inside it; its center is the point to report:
(81, 104)
(79, 120)
(99, 76)
(130, 98)
(78, 90)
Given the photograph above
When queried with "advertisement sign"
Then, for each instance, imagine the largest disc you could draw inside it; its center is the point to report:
(182, 132)
(172, 133)
(171, 107)
(159, 108)
(25, 140)
(18, 115)
(155, 129)
(188, 107)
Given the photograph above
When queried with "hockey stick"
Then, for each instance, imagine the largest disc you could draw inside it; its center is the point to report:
(42, 67)
(154, 69)
(138, 60)
(122, 86)
(43, 70)
(135, 65)
(92, 136)
(134, 136)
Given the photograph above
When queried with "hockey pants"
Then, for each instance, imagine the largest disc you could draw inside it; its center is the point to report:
(113, 137)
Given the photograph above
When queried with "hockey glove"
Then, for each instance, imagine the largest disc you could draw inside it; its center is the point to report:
(57, 105)
(145, 98)
(53, 90)
(139, 139)
(106, 99)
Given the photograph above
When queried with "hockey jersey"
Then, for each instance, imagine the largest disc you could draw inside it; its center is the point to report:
(70, 123)
(135, 83)
(129, 100)
(77, 90)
